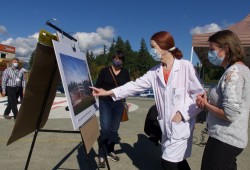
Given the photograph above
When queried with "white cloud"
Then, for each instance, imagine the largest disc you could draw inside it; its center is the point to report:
(206, 29)
(93, 41)
(3, 30)
(24, 45)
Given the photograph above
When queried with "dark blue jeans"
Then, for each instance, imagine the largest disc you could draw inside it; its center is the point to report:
(110, 117)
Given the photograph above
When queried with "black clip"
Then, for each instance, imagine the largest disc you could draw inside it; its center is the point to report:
(61, 31)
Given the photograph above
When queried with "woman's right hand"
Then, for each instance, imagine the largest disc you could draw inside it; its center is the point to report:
(200, 100)
(100, 92)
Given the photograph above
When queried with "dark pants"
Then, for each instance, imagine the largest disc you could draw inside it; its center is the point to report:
(110, 117)
(12, 101)
(219, 156)
(20, 93)
(183, 165)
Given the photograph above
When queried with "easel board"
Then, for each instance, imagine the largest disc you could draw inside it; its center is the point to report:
(90, 133)
(40, 92)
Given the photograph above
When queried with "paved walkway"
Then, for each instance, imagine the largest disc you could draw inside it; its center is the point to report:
(65, 151)
(58, 108)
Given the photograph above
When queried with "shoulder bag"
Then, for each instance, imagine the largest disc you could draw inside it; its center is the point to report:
(125, 110)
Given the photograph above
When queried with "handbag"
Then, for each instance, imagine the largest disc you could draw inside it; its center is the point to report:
(125, 110)
(124, 117)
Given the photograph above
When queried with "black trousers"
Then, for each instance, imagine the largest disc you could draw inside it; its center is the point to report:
(12, 101)
(219, 156)
(20, 93)
(183, 165)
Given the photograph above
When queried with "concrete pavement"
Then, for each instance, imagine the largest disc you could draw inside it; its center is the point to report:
(65, 151)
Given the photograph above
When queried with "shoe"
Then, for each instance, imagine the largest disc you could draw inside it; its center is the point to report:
(6, 116)
(118, 140)
(101, 163)
(113, 157)
(67, 108)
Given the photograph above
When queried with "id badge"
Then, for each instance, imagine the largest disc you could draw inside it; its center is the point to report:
(18, 79)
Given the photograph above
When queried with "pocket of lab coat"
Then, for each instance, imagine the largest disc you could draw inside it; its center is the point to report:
(180, 130)
(165, 129)
(178, 96)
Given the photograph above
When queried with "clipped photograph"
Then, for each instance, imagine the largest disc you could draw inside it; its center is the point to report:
(76, 82)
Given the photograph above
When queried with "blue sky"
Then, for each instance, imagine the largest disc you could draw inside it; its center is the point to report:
(97, 22)
(75, 70)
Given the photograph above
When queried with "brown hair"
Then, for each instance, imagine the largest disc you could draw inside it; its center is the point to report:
(15, 59)
(166, 41)
(119, 54)
(228, 38)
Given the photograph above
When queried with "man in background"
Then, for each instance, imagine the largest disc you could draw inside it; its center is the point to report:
(11, 80)
(21, 87)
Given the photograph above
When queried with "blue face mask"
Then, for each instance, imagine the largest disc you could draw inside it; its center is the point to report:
(155, 55)
(117, 63)
(214, 59)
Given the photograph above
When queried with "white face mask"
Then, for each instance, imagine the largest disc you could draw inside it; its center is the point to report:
(15, 65)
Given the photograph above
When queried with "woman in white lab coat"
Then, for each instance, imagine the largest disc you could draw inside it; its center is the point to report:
(175, 87)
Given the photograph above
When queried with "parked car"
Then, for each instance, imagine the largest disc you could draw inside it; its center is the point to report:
(147, 93)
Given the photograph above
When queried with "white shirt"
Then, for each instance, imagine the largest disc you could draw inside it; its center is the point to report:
(178, 94)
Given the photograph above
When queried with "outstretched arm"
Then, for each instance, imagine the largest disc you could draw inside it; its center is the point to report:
(101, 92)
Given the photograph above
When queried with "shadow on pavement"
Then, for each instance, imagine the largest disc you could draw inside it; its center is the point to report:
(81, 159)
(144, 154)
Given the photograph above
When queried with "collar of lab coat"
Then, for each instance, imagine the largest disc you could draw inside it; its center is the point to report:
(175, 69)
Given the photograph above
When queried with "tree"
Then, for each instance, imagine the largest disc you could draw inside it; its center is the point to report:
(137, 62)
(145, 61)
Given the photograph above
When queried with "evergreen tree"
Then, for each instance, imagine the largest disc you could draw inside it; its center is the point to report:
(104, 49)
(112, 47)
(145, 62)
(119, 44)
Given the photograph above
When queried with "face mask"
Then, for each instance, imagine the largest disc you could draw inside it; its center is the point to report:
(15, 65)
(214, 59)
(155, 55)
(117, 63)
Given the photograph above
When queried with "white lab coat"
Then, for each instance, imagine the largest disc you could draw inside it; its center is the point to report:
(177, 95)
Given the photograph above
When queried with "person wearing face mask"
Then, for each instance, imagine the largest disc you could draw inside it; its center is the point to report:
(11, 80)
(110, 111)
(175, 86)
(228, 104)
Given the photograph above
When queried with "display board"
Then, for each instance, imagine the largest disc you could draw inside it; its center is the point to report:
(76, 81)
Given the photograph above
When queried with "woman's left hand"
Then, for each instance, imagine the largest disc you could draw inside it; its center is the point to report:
(177, 117)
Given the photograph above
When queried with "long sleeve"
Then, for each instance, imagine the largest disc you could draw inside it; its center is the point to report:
(133, 87)
(232, 86)
(194, 88)
(4, 80)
